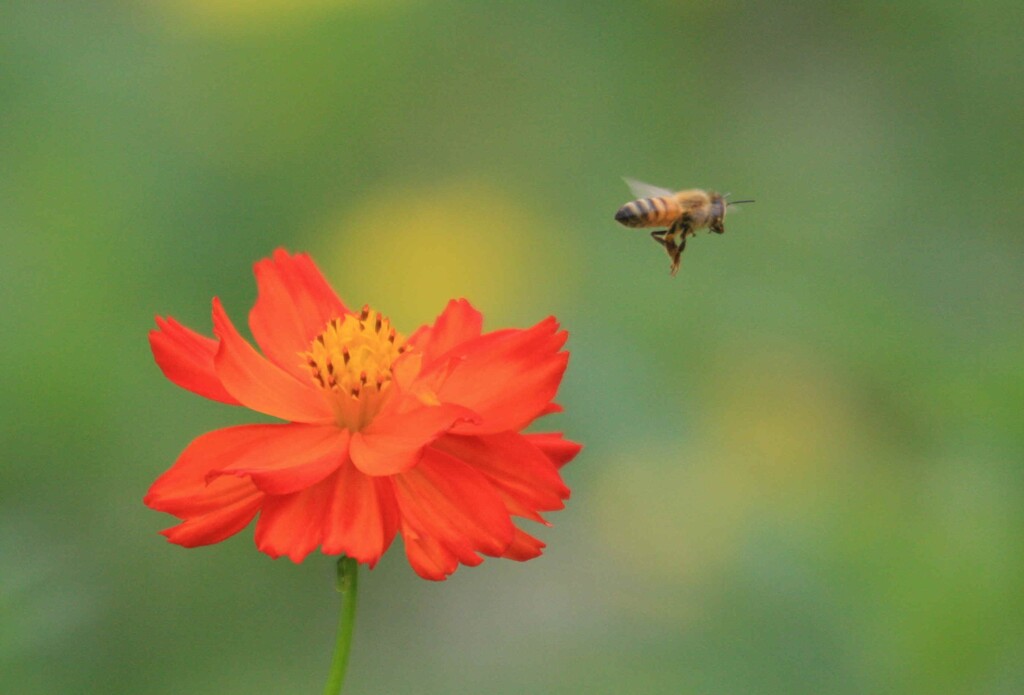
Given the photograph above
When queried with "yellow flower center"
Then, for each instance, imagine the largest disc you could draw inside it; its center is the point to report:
(351, 362)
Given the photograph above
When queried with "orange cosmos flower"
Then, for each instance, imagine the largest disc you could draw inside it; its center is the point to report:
(385, 434)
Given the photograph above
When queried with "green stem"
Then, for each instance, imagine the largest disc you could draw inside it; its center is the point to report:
(347, 585)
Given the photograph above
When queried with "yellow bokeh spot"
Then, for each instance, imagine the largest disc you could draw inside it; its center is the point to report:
(409, 252)
(767, 450)
(228, 16)
(782, 411)
(667, 510)
(660, 507)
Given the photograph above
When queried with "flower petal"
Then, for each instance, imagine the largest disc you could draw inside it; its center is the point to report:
(362, 518)
(519, 470)
(258, 383)
(457, 324)
(186, 358)
(183, 489)
(428, 557)
(294, 304)
(509, 380)
(524, 547)
(282, 459)
(560, 450)
(393, 442)
(448, 502)
(215, 526)
(293, 525)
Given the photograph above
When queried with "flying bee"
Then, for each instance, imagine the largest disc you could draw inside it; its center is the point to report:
(682, 212)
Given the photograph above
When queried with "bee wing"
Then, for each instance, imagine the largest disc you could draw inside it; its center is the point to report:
(646, 190)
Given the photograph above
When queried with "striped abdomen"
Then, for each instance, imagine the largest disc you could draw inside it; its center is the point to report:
(649, 212)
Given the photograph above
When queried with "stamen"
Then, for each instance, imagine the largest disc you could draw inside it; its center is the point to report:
(347, 358)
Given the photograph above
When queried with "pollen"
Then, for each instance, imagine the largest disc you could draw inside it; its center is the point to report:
(351, 362)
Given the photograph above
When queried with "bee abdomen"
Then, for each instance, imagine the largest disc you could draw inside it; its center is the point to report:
(645, 212)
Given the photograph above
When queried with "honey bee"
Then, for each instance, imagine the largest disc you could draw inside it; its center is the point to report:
(682, 212)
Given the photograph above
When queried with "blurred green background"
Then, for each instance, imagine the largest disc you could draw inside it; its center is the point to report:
(803, 454)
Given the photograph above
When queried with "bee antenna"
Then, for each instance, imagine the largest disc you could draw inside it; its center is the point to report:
(737, 202)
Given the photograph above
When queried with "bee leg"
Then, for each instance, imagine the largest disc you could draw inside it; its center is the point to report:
(669, 235)
(675, 252)
(683, 228)
(667, 238)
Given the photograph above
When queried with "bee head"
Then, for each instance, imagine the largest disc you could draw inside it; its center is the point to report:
(718, 206)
